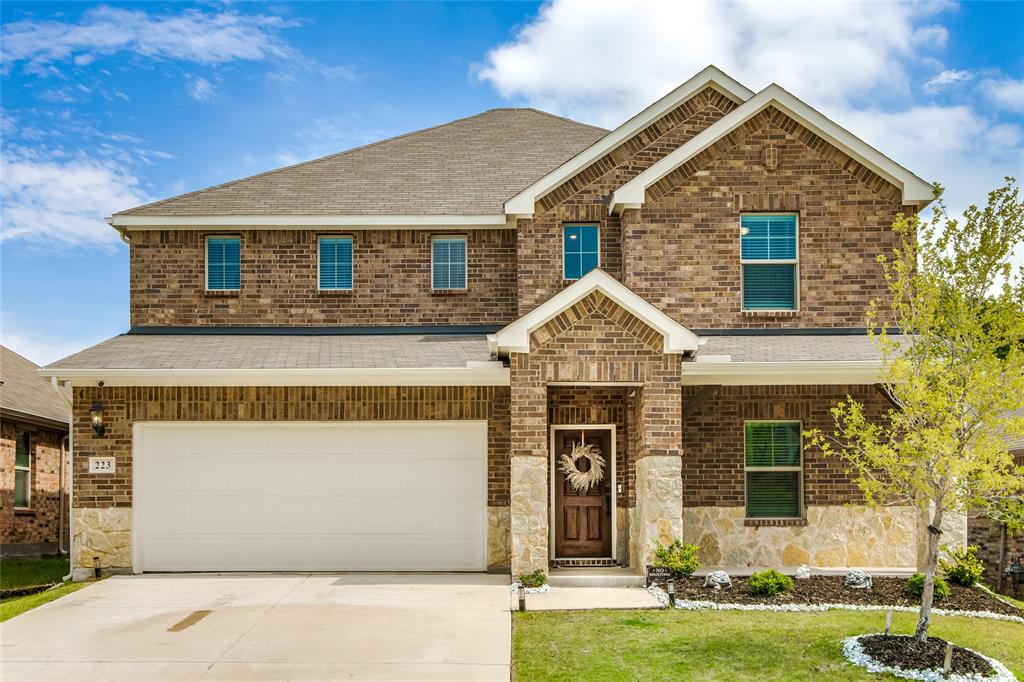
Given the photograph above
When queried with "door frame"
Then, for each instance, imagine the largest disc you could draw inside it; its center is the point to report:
(551, 483)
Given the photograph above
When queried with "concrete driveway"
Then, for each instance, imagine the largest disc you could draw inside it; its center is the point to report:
(267, 627)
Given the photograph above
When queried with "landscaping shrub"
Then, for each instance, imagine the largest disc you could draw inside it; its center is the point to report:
(769, 583)
(964, 567)
(679, 558)
(535, 579)
(915, 585)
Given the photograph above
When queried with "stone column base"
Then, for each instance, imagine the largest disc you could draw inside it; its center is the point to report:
(529, 514)
(104, 533)
(659, 506)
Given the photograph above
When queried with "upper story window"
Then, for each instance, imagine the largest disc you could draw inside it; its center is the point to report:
(335, 258)
(774, 469)
(768, 257)
(22, 469)
(448, 263)
(581, 248)
(223, 263)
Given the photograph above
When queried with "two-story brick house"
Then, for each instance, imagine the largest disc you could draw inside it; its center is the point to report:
(377, 360)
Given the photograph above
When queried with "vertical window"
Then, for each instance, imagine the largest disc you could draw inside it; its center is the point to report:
(223, 263)
(448, 263)
(22, 469)
(335, 263)
(768, 256)
(774, 465)
(580, 250)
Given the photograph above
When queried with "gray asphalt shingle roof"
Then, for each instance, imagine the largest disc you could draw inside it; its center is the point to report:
(248, 351)
(790, 348)
(467, 167)
(23, 390)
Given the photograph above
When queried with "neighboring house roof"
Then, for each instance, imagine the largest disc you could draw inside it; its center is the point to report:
(1015, 443)
(23, 392)
(466, 167)
(915, 190)
(251, 359)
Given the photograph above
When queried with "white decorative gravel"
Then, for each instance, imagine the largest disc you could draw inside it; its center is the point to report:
(514, 587)
(854, 653)
(700, 605)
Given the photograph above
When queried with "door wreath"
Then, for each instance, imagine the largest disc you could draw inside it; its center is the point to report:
(583, 480)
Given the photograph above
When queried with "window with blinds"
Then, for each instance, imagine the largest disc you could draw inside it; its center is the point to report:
(580, 250)
(768, 257)
(335, 263)
(448, 263)
(774, 469)
(22, 469)
(223, 263)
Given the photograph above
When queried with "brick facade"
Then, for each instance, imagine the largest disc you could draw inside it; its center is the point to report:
(38, 524)
(987, 536)
(391, 281)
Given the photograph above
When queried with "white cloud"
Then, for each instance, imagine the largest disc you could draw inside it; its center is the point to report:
(201, 90)
(64, 200)
(44, 348)
(947, 78)
(191, 35)
(1007, 93)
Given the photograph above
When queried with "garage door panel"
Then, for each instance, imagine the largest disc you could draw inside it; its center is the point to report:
(312, 496)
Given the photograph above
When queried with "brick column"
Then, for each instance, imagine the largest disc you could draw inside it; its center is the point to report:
(529, 476)
(659, 483)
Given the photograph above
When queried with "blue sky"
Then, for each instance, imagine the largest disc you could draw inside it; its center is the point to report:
(105, 106)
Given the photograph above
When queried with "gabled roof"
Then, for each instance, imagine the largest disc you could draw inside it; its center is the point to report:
(24, 392)
(522, 204)
(468, 167)
(915, 190)
(515, 338)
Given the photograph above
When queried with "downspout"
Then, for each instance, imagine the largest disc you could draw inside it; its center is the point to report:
(120, 231)
(60, 493)
(71, 478)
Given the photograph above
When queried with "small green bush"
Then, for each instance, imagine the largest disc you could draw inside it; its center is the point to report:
(535, 579)
(769, 583)
(964, 567)
(915, 586)
(680, 558)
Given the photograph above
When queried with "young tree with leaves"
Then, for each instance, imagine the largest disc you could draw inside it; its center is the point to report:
(952, 374)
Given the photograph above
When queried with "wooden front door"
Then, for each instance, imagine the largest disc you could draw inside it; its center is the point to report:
(583, 518)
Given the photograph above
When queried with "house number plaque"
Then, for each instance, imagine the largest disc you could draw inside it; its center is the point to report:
(102, 465)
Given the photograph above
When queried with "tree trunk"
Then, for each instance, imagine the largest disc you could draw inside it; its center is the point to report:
(931, 563)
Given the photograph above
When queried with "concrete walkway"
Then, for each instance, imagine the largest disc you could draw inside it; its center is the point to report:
(584, 598)
(267, 627)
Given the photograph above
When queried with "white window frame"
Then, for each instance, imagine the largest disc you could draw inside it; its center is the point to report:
(349, 237)
(206, 260)
(795, 262)
(597, 226)
(465, 240)
(802, 510)
(27, 469)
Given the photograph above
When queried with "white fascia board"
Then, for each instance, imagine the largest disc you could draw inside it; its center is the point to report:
(493, 375)
(515, 338)
(145, 222)
(915, 190)
(780, 373)
(522, 204)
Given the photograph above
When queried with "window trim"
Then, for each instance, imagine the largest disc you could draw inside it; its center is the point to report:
(795, 262)
(351, 239)
(206, 262)
(27, 469)
(801, 508)
(596, 226)
(465, 240)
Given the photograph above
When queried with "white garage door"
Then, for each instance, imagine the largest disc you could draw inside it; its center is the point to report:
(307, 496)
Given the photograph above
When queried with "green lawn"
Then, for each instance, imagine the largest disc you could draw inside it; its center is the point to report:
(25, 571)
(724, 645)
(9, 608)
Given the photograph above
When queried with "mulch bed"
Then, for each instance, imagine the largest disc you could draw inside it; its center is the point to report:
(903, 651)
(22, 591)
(827, 589)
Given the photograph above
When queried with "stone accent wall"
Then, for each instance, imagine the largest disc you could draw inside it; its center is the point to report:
(103, 534)
(658, 517)
(36, 527)
(683, 244)
(391, 281)
(954, 536)
(529, 514)
(713, 459)
(834, 537)
(499, 539)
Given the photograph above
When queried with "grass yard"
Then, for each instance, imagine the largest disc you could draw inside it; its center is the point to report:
(724, 645)
(9, 608)
(25, 571)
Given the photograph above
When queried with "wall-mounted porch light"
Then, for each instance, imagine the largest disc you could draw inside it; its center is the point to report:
(96, 412)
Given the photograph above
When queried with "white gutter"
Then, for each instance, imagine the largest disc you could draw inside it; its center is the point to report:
(475, 374)
(71, 483)
(780, 373)
(144, 222)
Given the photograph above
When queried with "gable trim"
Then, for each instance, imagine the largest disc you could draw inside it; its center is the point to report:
(916, 192)
(515, 338)
(522, 205)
